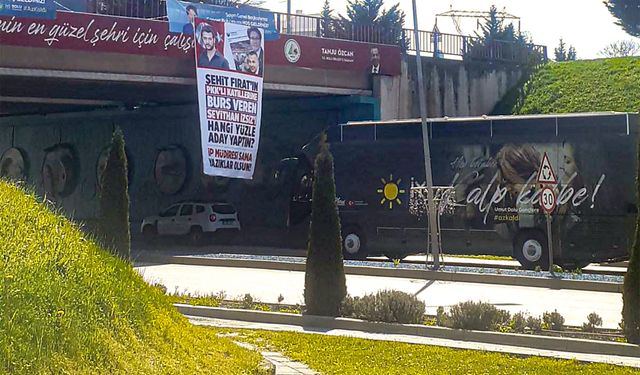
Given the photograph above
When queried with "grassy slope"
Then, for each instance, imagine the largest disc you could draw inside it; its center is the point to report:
(582, 86)
(354, 356)
(67, 306)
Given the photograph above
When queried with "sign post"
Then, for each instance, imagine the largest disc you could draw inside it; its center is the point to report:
(433, 235)
(547, 177)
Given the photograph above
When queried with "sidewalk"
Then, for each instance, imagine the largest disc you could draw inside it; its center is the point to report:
(268, 285)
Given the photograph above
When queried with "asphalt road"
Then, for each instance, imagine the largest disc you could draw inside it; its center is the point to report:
(268, 285)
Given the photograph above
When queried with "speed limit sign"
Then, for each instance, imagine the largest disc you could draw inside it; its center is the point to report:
(548, 200)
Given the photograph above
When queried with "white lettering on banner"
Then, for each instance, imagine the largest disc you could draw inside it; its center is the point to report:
(230, 107)
(11, 26)
(91, 35)
(486, 197)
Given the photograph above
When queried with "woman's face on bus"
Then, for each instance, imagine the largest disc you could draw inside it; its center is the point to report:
(567, 163)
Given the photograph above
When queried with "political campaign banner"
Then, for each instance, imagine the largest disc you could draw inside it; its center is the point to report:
(229, 64)
(28, 8)
(182, 14)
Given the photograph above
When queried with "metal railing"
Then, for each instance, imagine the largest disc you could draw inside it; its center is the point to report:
(436, 44)
(442, 44)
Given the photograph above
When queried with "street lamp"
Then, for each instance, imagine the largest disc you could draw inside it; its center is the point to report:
(432, 233)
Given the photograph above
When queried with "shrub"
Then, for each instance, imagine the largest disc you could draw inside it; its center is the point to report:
(593, 320)
(441, 317)
(325, 284)
(247, 301)
(389, 306)
(553, 320)
(475, 315)
(503, 317)
(534, 324)
(519, 322)
(631, 288)
(113, 226)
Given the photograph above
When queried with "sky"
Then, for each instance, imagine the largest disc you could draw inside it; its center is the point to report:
(586, 25)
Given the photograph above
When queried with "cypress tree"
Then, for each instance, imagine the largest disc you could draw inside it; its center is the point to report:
(113, 226)
(631, 291)
(325, 284)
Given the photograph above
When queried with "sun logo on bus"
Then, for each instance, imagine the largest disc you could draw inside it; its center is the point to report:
(390, 191)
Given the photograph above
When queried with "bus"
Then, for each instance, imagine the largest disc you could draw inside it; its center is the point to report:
(488, 166)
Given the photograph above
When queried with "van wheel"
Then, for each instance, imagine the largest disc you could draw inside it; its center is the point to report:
(196, 236)
(530, 249)
(353, 244)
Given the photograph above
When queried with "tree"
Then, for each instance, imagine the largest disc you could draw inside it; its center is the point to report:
(113, 225)
(627, 13)
(367, 21)
(326, 27)
(562, 54)
(325, 284)
(621, 48)
(631, 288)
(497, 41)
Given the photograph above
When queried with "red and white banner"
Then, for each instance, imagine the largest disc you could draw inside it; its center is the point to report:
(229, 66)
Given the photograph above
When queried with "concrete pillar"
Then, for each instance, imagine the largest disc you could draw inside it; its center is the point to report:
(387, 90)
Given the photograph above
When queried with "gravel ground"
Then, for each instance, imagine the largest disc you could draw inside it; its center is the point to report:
(445, 268)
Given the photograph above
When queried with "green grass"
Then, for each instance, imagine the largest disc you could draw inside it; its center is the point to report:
(580, 86)
(347, 355)
(69, 307)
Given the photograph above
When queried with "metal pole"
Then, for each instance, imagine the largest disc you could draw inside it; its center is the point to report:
(550, 243)
(431, 212)
(288, 16)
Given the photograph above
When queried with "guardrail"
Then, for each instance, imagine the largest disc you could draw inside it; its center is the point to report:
(435, 44)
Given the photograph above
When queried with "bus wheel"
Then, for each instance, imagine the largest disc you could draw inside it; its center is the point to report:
(353, 244)
(530, 249)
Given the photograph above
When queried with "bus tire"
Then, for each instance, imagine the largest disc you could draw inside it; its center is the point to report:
(353, 243)
(530, 249)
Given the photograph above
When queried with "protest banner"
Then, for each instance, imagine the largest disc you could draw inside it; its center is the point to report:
(229, 79)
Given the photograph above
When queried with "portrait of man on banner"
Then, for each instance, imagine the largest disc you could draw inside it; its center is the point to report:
(247, 47)
(210, 46)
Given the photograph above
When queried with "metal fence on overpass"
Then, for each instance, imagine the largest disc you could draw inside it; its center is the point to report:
(435, 44)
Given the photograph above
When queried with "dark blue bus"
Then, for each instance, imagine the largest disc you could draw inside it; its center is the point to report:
(489, 166)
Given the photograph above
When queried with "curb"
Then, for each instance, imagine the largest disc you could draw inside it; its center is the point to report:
(570, 345)
(467, 277)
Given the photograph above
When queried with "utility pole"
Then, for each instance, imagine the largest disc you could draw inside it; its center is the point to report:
(432, 233)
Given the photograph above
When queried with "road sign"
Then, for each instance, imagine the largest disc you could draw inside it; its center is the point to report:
(548, 200)
(546, 174)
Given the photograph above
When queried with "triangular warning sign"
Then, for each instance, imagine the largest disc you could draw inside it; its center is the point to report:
(546, 174)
